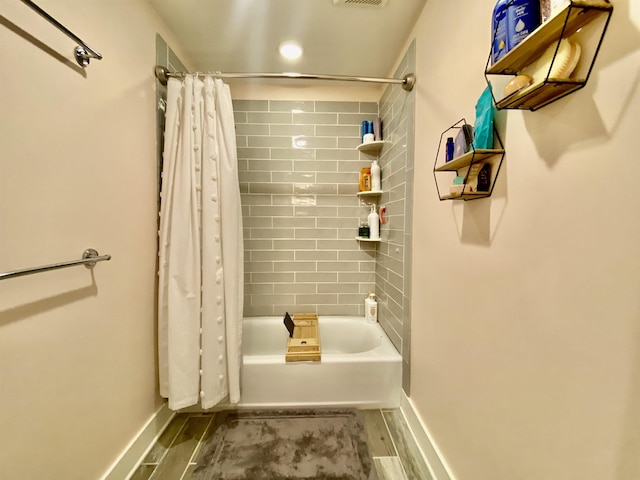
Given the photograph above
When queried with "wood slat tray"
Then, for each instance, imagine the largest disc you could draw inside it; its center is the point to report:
(304, 346)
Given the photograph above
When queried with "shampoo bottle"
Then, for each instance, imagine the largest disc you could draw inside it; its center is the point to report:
(375, 176)
(365, 179)
(377, 129)
(371, 308)
(523, 17)
(374, 224)
(499, 31)
(449, 152)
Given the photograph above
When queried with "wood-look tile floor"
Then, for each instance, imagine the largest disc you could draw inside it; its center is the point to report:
(392, 446)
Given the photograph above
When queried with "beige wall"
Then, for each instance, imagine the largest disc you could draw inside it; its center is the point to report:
(525, 325)
(77, 170)
(526, 306)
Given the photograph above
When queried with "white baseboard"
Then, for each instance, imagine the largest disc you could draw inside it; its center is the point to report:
(430, 452)
(140, 445)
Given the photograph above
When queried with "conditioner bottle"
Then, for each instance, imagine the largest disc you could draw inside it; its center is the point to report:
(523, 17)
(374, 224)
(375, 176)
(499, 31)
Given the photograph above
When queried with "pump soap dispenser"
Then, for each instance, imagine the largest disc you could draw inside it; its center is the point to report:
(371, 308)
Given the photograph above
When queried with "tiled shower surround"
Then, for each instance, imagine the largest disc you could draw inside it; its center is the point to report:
(393, 263)
(299, 171)
(299, 174)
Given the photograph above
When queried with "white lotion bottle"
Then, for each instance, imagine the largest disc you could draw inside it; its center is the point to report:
(375, 176)
(371, 308)
(374, 224)
(556, 6)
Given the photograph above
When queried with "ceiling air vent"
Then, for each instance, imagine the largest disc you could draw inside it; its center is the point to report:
(360, 3)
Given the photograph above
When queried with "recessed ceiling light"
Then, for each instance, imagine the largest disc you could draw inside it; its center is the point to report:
(290, 50)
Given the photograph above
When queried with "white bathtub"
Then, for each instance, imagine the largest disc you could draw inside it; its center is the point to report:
(360, 367)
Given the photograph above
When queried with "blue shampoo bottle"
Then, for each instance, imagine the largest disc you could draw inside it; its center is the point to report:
(523, 17)
(499, 31)
(449, 150)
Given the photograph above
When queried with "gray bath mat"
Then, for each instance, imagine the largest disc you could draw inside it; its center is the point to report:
(285, 445)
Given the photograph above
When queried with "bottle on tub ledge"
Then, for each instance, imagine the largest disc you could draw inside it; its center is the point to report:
(371, 308)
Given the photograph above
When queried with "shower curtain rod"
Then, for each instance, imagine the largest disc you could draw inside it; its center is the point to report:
(407, 82)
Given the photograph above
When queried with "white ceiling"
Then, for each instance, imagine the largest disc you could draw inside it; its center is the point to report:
(244, 35)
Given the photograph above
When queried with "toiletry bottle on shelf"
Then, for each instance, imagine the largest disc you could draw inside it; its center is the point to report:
(364, 130)
(449, 151)
(365, 179)
(375, 176)
(371, 308)
(377, 129)
(484, 178)
(363, 230)
(374, 224)
(523, 17)
(368, 136)
(499, 31)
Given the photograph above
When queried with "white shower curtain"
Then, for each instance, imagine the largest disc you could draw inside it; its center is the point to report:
(201, 270)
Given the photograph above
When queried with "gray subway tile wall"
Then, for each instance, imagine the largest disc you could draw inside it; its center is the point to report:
(299, 171)
(393, 265)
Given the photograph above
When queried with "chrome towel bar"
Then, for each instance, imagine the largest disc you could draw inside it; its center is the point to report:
(82, 52)
(89, 258)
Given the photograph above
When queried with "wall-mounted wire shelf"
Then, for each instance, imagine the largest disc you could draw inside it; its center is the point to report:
(467, 166)
(584, 23)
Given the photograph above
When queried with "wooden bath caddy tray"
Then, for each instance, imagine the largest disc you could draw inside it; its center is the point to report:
(304, 345)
